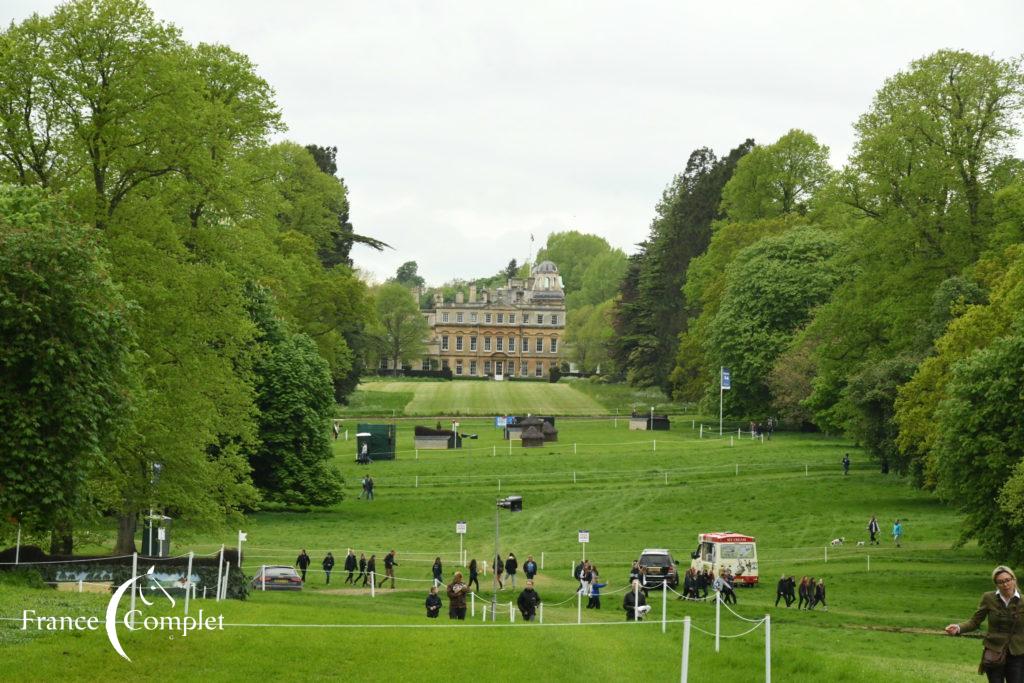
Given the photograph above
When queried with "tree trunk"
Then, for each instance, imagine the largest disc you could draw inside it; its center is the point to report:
(127, 523)
(62, 539)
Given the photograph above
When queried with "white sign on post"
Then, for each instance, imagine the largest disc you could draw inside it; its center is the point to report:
(584, 536)
(460, 527)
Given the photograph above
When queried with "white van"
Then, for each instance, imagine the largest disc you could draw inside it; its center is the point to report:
(727, 550)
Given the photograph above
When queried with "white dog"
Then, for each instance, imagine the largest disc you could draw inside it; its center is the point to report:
(860, 543)
(838, 541)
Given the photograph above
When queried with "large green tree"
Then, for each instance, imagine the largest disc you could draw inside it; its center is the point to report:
(63, 361)
(400, 331)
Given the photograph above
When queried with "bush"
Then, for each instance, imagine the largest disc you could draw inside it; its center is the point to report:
(554, 374)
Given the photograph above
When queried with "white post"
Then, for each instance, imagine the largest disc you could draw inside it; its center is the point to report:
(542, 559)
(485, 567)
(636, 598)
(239, 547)
(718, 618)
(762, 439)
(768, 648)
(574, 449)
(499, 486)
(654, 445)
(739, 433)
(346, 435)
(579, 607)
(574, 477)
(693, 424)
(686, 651)
(220, 568)
(188, 580)
(460, 551)
(373, 585)
(511, 613)
(263, 573)
(806, 473)
(826, 554)
(702, 430)
(79, 585)
(494, 451)
(204, 592)
(485, 611)
(737, 469)
(224, 586)
(542, 612)
(664, 605)
(472, 604)
(17, 547)
(666, 478)
(869, 563)
(721, 394)
(417, 481)
(135, 572)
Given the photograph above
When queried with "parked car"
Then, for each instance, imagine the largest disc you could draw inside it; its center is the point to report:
(659, 568)
(277, 578)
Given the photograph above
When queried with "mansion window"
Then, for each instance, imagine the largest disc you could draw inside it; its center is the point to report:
(522, 369)
(444, 342)
(554, 345)
(487, 346)
(458, 317)
(540, 370)
(487, 317)
(472, 367)
(472, 317)
(511, 367)
(500, 343)
(554, 319)
(487, 367)
(501, 317)
(540, 344)
(511, 318)
(444, 317)
(458, 343)
(458, 367)
(511, 347)
(472, 343)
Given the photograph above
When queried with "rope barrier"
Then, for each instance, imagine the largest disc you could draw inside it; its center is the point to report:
(740, 616)
(94, 559)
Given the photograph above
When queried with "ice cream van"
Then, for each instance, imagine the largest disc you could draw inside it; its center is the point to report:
(727, 550)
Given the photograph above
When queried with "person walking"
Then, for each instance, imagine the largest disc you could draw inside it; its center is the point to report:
(819, 594)
(781, 591)
(873, 531)
(528, 601)
(498, 567)
(812, 593)
(530, 568)
(727, 585)
(474, 575)
(457, 597)
(364, 454)
(302, 562)
(433, 603)
(897, 532)
(790, 591)
(362, 494)
(362, 569)
(804, 598)
(389, 569)
(846, 464)
(369, 488)
(437, 571)
(371, 569)
(350, 565)
(511, 567)
(1003, 657)
(328, 565)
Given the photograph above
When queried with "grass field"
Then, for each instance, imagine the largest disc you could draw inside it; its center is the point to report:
(398, 398)
(630, 490)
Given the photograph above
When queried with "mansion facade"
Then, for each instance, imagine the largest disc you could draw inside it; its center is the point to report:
(511, 331)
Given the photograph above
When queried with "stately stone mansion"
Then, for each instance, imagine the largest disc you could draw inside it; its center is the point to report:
(510, 331)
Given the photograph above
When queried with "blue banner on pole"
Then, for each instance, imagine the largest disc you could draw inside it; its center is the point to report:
(726, 379)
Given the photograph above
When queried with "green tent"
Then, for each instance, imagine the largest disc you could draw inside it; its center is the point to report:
(379, 439)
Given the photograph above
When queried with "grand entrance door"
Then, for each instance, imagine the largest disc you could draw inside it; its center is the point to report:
(498, 368)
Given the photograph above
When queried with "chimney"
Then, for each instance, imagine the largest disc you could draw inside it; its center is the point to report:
(458, 297)
(438, 298)
(472, 294)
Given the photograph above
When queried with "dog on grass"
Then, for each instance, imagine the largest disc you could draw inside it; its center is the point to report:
(860, 543)
(838, 541)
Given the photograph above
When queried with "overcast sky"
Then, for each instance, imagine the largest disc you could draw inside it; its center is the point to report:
(465, 127)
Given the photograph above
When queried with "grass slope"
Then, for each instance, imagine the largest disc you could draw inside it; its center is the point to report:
(471, 398)
(632, 490)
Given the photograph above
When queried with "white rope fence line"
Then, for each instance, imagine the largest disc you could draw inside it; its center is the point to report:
(735, 635)
(740, 616)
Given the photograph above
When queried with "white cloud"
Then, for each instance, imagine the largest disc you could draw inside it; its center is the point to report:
(462, 127)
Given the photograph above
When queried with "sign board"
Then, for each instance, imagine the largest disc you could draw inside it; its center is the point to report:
(584, 536)
(726, 379)
(161, 534)
(460, 527)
